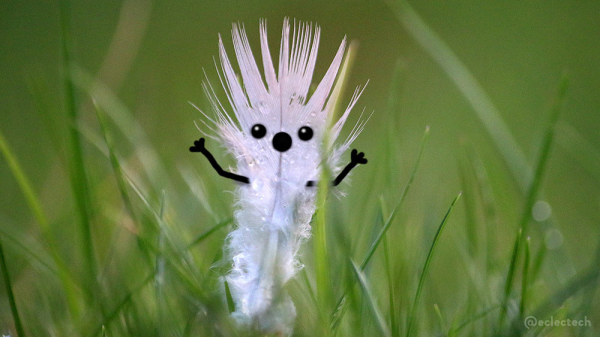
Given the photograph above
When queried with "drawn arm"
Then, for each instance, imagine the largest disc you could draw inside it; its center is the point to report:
(199, 147)
(355, 159)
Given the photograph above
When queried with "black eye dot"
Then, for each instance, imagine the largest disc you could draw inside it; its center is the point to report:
(305, 133)
(258, 131)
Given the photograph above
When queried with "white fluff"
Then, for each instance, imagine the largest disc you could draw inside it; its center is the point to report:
(275, 209)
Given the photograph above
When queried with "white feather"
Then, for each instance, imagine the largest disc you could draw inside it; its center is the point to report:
(274, 210)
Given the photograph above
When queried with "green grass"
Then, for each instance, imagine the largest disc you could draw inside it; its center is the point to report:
(119, 237)
(413, 310)
(9, 291)
(77, 169)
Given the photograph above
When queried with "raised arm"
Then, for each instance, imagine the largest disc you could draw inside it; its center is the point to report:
(355, 159)
(199, 147)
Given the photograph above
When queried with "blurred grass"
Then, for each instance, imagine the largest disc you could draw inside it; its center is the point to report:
(78, 175)
(468, 85)
(134, 246)
(533, 192)
(381, 321)
(339, 311)
(9, 292)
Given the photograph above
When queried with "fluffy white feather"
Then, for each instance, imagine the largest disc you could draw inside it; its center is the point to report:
(274, 210)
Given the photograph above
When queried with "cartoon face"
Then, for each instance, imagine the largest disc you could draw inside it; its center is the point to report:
(280, 128)
(295, 148)
(282, 141)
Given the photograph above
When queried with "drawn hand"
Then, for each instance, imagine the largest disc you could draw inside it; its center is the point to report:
(198, 146)
(358, 158)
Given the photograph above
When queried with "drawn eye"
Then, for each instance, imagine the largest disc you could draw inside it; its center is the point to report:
(305, 133)
(258, 131)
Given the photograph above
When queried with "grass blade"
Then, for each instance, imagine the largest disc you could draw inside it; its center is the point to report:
(34, 205)
(323, 284)
(230, 304)
(470, 209)
(338, 313)
(159, 269)
(525, 280)
(510, 279)
(540, 169)
(537, 263)
(10, 294)
(309, 288)
(79, 182)
(486, 195)
(209, 232)
(26, 188)
(385, 331)
(425, 270)
(440, 317)
(390, 282)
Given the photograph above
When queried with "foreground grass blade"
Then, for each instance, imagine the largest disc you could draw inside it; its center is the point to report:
(525, 279)
(229, 298)
(390, 283)
(10, 294)
(436, 238)
(159, 268)
(537, 262)
(26, 188)
(209, 232)
(385, 331)
(509, 279)
(34, 205)
(324, 290)
(79, 182)
(338, 313)
(440, 317)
